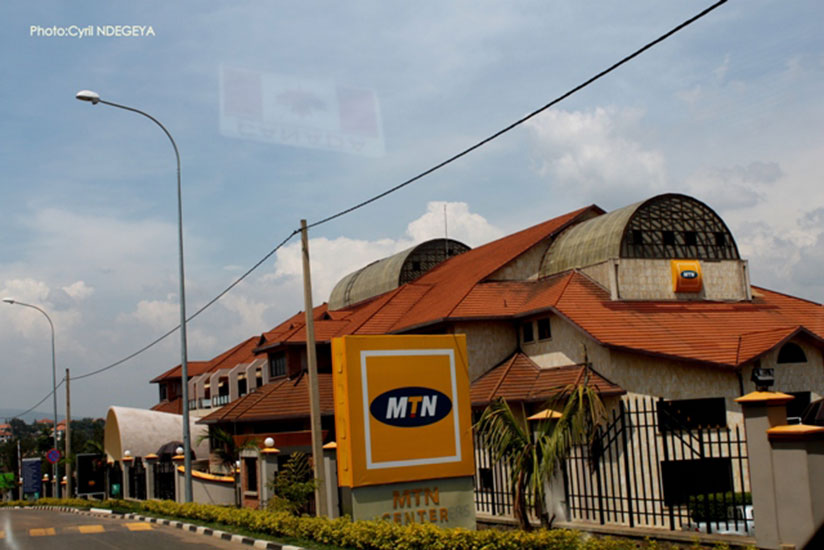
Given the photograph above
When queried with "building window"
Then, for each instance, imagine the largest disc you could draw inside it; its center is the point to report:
(251, 474)
(258, 377)
(692, 414)
(162, 388)
(241, 386)
(791, 353)
(277, 364)
(637, 236)
(798, 406)
(668, 237)
(486, 479)
(526, 330)
(690, 238)
(544, 330)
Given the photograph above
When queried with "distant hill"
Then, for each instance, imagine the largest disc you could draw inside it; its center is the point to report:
(29, 418)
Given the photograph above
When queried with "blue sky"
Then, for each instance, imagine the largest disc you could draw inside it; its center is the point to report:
(728, 110)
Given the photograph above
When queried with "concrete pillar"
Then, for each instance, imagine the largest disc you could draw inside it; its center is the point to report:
(251, 379)
(765, 411)
(126, 466)
(330, 466)
(151, 463)
(798, 461)
(268, 464)
(264, 369)
(180, 479)
(234, 393)
(193, 387)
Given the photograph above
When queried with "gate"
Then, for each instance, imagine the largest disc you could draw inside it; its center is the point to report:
(115, 481)
(137, 480)
(646, 468)
(493, 491)
(164, 478)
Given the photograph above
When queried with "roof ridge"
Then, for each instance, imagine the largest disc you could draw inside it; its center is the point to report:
(776, 329)
(784, 294)
(503, 375)
(386, 296)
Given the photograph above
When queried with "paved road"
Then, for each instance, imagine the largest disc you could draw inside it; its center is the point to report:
(47, 530)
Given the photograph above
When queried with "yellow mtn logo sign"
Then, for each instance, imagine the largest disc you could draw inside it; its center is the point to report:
(410, 407)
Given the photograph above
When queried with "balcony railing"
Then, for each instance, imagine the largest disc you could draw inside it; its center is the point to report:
(220, 400)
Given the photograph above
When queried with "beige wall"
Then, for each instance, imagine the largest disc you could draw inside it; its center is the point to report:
(524, 267)
(566, 347)
(792, 377)
(487, 344)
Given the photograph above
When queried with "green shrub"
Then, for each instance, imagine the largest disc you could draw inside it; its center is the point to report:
(359, 535)
(714, 506)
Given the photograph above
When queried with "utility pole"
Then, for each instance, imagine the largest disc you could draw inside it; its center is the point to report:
(312, 363)
(19, 471)
(68, 439)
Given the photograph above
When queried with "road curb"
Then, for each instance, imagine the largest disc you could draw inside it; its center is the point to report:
(261, 544)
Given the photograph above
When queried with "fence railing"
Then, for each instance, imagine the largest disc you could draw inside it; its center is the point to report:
(646, 469)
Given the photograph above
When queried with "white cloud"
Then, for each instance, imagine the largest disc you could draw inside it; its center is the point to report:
(735, 187)
(78, 290)
(461, 224)
(591, 153)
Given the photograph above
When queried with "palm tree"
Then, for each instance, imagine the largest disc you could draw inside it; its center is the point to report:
(534, 457)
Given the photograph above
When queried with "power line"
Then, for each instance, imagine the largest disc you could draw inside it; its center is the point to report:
(409, 181)
(195, 314)
(42, 400)
(521, 120)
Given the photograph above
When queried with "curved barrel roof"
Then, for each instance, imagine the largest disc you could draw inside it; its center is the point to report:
(665, 226)
(389, 273)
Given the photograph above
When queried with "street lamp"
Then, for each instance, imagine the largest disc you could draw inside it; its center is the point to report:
(12, 301)
(94, 99)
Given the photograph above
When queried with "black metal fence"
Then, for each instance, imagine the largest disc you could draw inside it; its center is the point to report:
(164, 478)
(137, 480)
(647, 468)
(493, 491)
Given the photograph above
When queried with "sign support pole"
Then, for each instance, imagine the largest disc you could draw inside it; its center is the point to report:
(312, 364)
(68, 439)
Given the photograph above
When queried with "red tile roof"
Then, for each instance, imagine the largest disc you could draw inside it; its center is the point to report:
(280, 399)
(722, 333)
(241, 353)
(174, 406)
(520, 379)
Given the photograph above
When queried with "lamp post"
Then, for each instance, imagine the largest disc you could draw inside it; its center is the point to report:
(94, 99)
(12, 301)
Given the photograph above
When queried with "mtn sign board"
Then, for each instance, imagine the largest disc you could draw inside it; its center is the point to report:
(402, 410)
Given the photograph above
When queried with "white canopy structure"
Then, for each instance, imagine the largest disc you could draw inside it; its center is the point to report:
(143, 432)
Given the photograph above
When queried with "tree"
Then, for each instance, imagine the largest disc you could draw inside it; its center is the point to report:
(294, 485)
(533, 457)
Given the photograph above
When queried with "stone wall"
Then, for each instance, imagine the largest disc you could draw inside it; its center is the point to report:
(640, 279)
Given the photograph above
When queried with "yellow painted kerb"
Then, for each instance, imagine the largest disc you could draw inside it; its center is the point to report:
(209, 477)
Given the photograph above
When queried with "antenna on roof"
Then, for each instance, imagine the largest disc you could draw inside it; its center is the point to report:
(445, 233)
